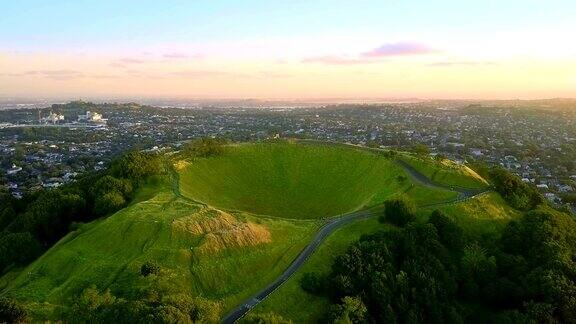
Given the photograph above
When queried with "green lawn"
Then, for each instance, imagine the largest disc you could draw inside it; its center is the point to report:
(241, 220)
(291, 180)
(446, 172)
(290, 301)
(484, 214)
(422, 195)
(202, 251)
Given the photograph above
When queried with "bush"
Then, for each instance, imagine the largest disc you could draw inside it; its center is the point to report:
(11, 311)
(400, 211)
(149, 268)
(267, 318)
(312, 283)
(109, 203)
(517, 193)
(205, 147)
(19, 248)
(137, 166)
(449, 233)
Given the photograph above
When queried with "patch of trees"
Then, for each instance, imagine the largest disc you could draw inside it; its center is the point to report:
(266, 318)
(12, 312)
(517, 193)
(434, 273)
(32, 225)
(205, 147)
(93, 306)
(399, 211)
(149, 268)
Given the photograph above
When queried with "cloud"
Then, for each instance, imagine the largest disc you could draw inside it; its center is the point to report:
(337, 60)
(123, 62)
(60, 75)
(193, 74)
(177, 56)
(460, 63)
(399, 49)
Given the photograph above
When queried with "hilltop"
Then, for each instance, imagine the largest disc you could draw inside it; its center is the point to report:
(220, 227)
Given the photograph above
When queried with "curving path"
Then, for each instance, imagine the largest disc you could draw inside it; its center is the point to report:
(331, 226)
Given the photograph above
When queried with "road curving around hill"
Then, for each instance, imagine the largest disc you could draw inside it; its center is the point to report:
(335, 223)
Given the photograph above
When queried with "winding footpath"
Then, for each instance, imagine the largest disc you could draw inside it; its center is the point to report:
(332, 225)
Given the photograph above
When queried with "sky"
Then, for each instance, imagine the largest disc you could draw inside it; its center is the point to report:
(288, 49)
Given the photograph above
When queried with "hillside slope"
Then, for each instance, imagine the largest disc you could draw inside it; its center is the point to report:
(202, 252)
(292, 180)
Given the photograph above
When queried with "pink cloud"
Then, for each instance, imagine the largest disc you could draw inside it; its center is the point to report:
(460, 63)
(337, 60)
(177, 55)
(399, 49)
(60, 75)
(203, 74)
(123, 62)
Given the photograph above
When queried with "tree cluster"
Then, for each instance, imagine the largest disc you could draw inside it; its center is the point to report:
(32, 225)
(434, 273)
(204, 147)
(93, 306)
(518, 194)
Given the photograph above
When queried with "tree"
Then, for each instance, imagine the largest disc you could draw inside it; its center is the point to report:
(399, 211)
(108, 183)
(421, 149)
(267, 318)
(517, 193)
(350, 310)
(19, 248)
(312, 283)
(136, 166)
(148, 268)
(108, 203)
(204, 147)
(449, 233)
(11, 311)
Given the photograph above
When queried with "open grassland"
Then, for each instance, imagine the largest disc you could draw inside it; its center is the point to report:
(486, 213)
(290, 301)
(202, 252)
(291, 180)
(422, 195)
(446, 172)
(228, 225)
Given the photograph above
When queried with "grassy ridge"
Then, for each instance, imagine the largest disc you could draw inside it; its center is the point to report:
(485, 214)
(292, 180)
(446, 172)
(290, 301)
(223, 248)
(109, 253)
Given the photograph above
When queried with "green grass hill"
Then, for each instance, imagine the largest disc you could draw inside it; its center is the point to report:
(291, 180)
(222, 228)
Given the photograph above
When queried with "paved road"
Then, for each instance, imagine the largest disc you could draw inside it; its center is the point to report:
(331, 226)
(417, 177)
(326, 230)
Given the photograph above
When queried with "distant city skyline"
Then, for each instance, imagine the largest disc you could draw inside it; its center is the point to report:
(288, 49)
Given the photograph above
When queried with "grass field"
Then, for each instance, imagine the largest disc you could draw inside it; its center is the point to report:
(290, 301)
(485, 214)
(446, 172)
(202, 251)
(292, 180)
(241, 219)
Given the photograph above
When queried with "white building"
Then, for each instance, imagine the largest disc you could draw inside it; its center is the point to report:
(14, 169)
(53, 118)
(92, 117)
